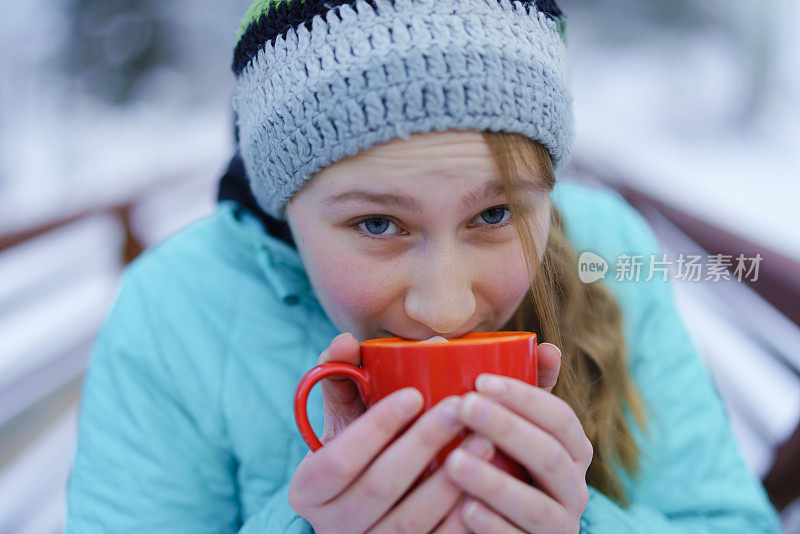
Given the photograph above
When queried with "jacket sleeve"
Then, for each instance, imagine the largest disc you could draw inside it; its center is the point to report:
(692, 479)
(147, 458)
(277, 516)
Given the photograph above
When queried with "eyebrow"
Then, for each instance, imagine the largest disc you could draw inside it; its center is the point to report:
(490, 190)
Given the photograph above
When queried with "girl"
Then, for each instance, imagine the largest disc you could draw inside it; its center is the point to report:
(396, 176)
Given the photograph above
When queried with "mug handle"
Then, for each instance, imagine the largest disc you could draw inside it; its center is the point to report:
(309, 380)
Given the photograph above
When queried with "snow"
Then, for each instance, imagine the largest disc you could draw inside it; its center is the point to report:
(111, 156)
(32, 487)
(665, 114)
(37, 264)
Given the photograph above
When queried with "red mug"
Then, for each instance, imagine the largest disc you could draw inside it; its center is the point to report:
(438, 370)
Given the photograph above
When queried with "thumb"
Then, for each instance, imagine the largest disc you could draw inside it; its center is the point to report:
(549, 365)
(341, 401)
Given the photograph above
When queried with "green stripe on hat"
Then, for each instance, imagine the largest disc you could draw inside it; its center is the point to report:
(256, 9)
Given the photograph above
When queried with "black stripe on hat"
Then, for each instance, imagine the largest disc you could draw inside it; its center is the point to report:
(282, 16)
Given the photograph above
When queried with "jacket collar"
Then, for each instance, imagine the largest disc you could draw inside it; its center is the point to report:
(234, 186)
(276, 252)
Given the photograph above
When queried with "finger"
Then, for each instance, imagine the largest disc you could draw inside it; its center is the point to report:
(422, 509)
(520, 504)
(343, 348)
(453, 523)
(541, 408)
(334, 467)
(481, 520)
(341, 400)
(395, 470)
(543, 456)
(549, 357)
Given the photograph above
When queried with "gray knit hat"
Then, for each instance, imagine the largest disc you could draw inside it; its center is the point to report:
(320, 81)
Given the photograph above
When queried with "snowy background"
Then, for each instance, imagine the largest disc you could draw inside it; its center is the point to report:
(115, 121)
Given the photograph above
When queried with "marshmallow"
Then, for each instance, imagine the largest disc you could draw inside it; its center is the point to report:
(434, 339)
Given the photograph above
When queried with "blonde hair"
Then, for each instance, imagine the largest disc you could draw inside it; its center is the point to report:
(583, 320)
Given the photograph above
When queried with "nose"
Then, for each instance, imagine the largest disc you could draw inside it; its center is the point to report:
(440, 295)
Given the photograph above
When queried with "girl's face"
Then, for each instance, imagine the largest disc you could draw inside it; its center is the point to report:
(413, 238)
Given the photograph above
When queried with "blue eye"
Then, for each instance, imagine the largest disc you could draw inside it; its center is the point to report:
(497, 211)
(375, 226)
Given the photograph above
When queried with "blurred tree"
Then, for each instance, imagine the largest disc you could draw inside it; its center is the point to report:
(112, 44)
(621, 20)
(758, 30)
(753, 29)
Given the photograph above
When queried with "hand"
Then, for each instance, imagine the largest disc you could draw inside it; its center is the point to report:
(542, 433)
(355, 482)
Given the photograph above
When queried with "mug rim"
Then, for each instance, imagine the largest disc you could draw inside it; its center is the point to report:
(471, 338)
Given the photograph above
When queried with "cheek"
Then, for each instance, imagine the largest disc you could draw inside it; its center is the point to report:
(509, 280)
(349, 288)
(512, 276)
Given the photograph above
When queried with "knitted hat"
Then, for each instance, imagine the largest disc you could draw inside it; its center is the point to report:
(317, 81)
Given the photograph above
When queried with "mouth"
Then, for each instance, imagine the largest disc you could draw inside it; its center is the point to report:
(446, 336)
(392, 334)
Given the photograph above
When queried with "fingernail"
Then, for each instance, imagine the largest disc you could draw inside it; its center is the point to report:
(324, 356)
(476, 409)
(337, 337)
(463, 464)
(480, 446)
(559, 350)
(475, 513)
(493, 385)
(448, 414)
(408, 402)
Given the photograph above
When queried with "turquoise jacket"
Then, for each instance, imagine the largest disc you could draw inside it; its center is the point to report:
(186, 417)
